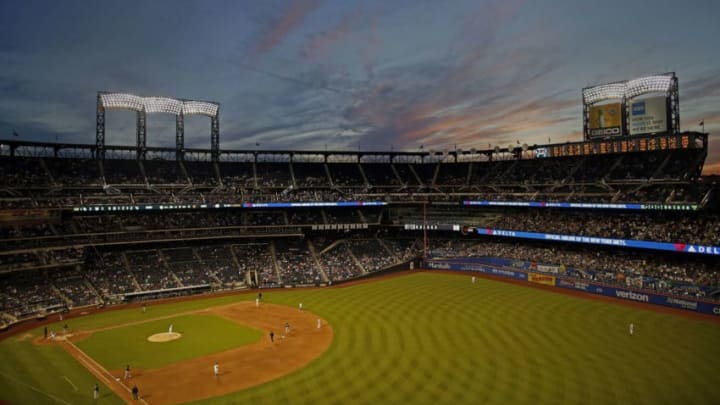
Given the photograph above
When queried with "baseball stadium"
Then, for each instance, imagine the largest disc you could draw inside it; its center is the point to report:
(578, 272)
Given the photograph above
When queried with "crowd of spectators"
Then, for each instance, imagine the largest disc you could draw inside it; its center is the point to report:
(339, 263)
(668, 274)
(50, 269)
(371, 254)
(694, 228)
(218, 259)
(82, 181)
(296, 264)
(186, 266)
(257, 258)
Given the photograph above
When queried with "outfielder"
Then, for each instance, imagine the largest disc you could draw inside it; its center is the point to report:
(632, 328)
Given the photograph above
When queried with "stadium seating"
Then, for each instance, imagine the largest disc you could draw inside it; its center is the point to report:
(60, 257)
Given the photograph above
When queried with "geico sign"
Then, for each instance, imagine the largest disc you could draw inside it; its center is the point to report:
(605, 131)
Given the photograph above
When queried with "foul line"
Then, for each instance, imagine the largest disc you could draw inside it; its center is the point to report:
(53, 397)
(99, 370)
(70, 382)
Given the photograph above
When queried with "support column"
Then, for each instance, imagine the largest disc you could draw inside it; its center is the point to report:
(141, 132)
(215, 137)
(180, 137)
(100, 130)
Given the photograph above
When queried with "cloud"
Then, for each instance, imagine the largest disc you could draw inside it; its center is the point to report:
(319, 43)
(274, 34)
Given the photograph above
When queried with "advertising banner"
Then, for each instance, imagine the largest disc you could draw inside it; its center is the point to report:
(541, 279)
(641, 296)
(605, 120)
(705, 307)
(648, 116)
(640, 244)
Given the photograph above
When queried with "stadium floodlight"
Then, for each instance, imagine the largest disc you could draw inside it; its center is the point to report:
(592, 95)
(162, 105)
(649, 84)
(148, 105)
(121, 100)
(199, 108)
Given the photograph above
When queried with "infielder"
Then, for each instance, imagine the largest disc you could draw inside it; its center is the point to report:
(257, 302)
(319, 323)
(216, 369)
(127, 372)
(287, 328)
(300, 306)
(170, 329)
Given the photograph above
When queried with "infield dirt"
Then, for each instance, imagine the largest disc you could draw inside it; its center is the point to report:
(240, 368)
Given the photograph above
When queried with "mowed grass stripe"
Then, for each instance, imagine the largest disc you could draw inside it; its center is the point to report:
(437, 338)
(573, 350)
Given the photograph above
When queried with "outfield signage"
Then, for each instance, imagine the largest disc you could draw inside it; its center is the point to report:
(541, 279)
(593, 240)
(689, 304)
(495, 271)
(590, 205)
(176, 207)
(605, 120)
(648, 116)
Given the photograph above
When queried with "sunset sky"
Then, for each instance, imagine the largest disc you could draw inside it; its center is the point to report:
(335, 74)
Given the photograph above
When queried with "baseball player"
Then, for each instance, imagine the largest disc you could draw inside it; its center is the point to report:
(127, 372)
(300, 306)
(170, 329)
(319, 323)
(287, 328)
(272, 336)
(135, 392)
(216, 370)
(632, 328)
(473, 279)
(257, 302)
(96, 391)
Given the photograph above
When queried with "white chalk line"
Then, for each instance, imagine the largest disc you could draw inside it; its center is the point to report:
(38, 390)
(90, 363)
(70, 382)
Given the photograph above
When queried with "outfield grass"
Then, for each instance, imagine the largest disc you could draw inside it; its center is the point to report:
(202, 335)
(437, 338)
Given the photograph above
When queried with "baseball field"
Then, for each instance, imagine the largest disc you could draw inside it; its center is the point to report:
(423, 338)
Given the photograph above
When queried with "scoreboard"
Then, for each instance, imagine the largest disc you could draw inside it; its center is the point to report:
(688, 140)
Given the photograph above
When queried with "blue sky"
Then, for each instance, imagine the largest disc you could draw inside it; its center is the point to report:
(340, 74)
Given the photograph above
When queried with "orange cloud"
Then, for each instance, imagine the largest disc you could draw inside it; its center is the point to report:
(275, 34)
(321, 42)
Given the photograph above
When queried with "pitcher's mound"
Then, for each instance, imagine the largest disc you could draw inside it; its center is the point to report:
(164, 337)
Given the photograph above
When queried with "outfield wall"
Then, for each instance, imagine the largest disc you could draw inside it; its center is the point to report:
(690, 304)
